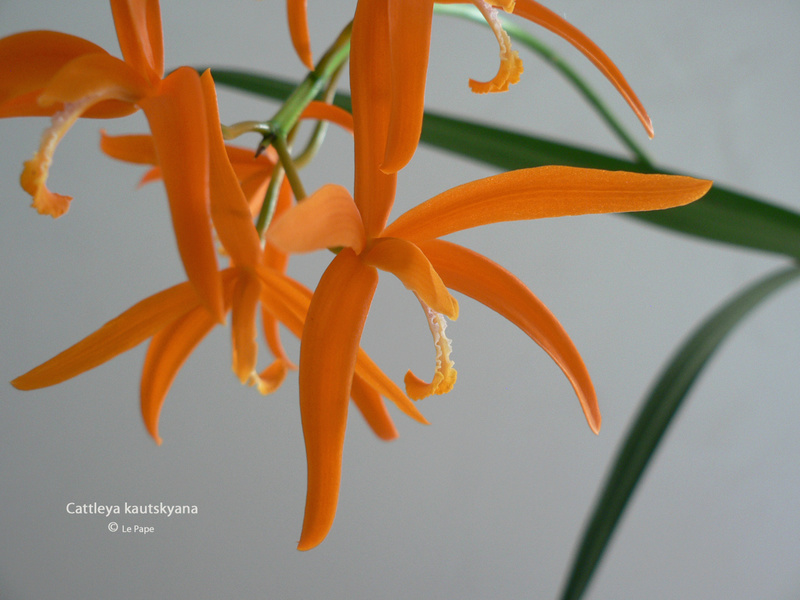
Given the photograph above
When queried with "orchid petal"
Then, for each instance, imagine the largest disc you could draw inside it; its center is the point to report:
(489, 283)
(328, 218)
(229, 209)
(122, 333)
(328, 351)
(297, 13)
(178, 122)
(30, 60)
(136, 149)
(409, 265)
(410, 39)
(322, 111)
(543, 192)
(535, 12)
(271, 330)
(371, 90)
(165, 356)
(382, 383)
(138, 25)
(246, 293)
(372, 408)
(98, 77)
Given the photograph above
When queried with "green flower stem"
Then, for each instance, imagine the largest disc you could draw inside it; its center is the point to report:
(315, 142)
(316, 81)
(270, 201)
(555, 60)
(287, 162)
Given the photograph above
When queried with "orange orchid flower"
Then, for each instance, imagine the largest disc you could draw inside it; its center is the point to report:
(397, 56)
(176, 321)
(66, 77)
(410, 248)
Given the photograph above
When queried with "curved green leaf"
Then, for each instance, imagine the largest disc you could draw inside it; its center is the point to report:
(656, 414)
(722, 215)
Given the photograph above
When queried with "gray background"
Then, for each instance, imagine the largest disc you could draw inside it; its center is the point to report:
(489, 500)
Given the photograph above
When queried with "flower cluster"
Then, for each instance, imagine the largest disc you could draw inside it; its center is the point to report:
(254, 205)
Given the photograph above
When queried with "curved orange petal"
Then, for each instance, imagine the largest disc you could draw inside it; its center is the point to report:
(271, 330)
(136, 149)
(489, 283)
(407, 262)
(246, 292)
(371, 90)
(328, 351)
(95, 77)
(165, 356)
(322, 111)
(177, 119)
(30, 60)
(122, 333)
(543, 192)
(328, 218)
(372, 408)
(138, 25)
(410, 39)
(297, 13)
(229, 209)
(535, 12)
(380, 381)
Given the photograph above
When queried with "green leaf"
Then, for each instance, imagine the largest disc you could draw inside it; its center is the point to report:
(723, 214)
(654, 418)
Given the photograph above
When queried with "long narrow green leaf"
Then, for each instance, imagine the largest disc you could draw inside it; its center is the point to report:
(722, 215)
(655, 416)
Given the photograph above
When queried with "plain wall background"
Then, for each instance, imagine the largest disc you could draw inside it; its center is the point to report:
(489, 500)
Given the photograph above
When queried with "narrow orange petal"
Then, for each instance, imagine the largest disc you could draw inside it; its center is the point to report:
(97, 77)
(178, 123)
(372, 408)
(322, 111)
(489, 283)
(328, 218)
(407, 262)
(246, 292)
(535, 12)
(136, 149)
(229, 209)
(270, 328)
(122, 333)
(30, 60)
(410, 39)
(371, 90)
(297, 13)
(138, 25)
(328, 351)
(380, 381)
(543, 192)
(165, 356)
